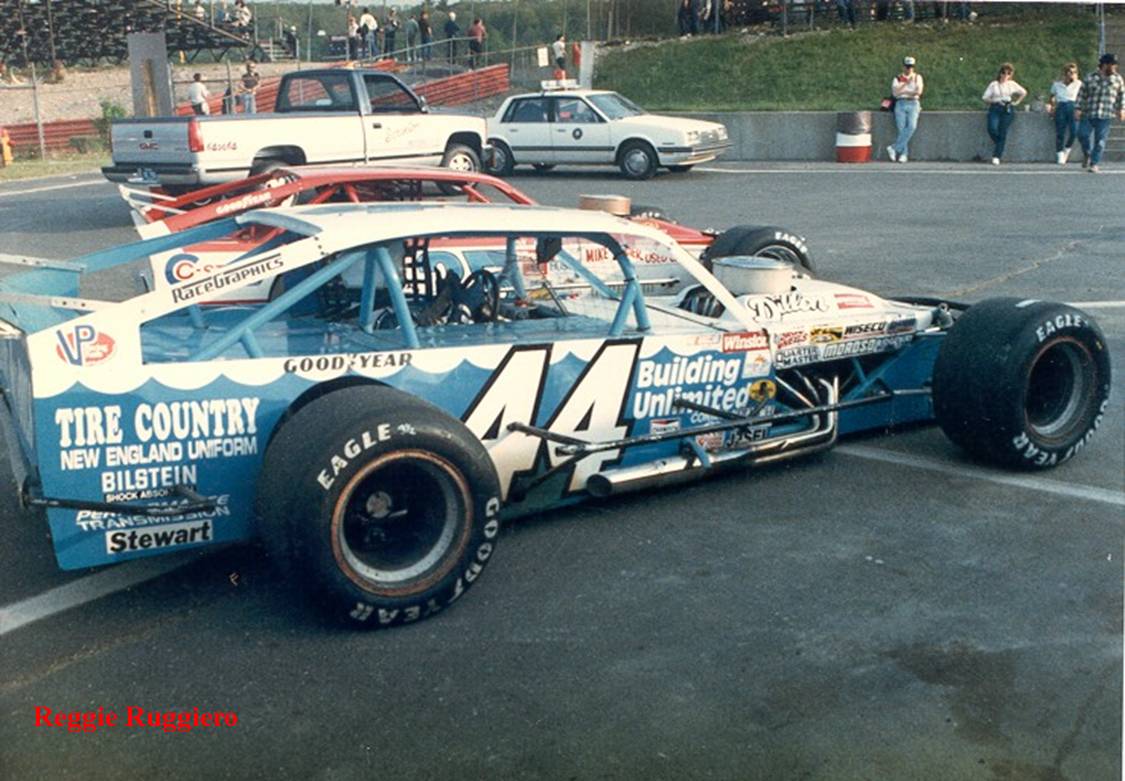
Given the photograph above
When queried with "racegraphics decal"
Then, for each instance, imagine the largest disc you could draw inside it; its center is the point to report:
(184, 266)
(169, 536)
(229, 277)
(778, 307)
(84, 345)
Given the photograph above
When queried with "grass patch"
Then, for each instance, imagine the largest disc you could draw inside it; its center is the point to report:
(843, 70)
(57, 166)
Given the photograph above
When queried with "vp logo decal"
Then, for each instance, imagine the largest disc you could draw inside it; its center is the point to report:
(84, 346)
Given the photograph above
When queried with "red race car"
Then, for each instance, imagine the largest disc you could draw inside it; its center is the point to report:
(156, 214)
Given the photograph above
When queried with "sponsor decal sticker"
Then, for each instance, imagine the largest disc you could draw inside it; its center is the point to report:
(158, 537)
(757, 364)
(789, 339)
(863, 329)
(744, 341)
(796, 356)
(763, 390)
(663, 425)
(781, 306)
(852, 301)
(826, 333)
(260, 267)
(84, 345)
(862, 346)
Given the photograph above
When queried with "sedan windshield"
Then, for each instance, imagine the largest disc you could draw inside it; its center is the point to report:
(615, 106)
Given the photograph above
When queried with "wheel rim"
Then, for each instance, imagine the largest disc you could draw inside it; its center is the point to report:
(1059, 387)
(499, 158)
(459, 161)
(636, 161)
(401, 522)
(780, 252)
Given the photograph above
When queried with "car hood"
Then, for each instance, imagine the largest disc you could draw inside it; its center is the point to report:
(681, 124)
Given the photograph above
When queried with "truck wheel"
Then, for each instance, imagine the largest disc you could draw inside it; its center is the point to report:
(502, 161)
(265, 165)
(459, 157)
(1022, 384)
(382, 507)
(764, 241)
(637, 160)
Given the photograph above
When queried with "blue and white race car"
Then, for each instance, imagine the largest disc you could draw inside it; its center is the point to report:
(377, 417)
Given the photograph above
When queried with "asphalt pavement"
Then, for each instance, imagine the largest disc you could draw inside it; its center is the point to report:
(888, 610)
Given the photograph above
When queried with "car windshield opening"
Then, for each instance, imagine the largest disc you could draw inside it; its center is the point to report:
(615, 106)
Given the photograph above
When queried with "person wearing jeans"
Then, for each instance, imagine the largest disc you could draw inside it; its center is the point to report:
(907, 89)
(1063, 94)
(1002, 97)
(1099, 101)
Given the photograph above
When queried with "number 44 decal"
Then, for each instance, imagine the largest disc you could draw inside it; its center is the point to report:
(591, 409)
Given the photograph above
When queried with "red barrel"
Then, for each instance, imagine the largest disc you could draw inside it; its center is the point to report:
(853, 137)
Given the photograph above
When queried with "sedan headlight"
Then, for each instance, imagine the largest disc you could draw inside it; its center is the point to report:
(722, 133)
(692, 137)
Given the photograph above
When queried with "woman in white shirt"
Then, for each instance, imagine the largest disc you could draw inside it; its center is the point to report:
(1002, 97)
(907, 89)
(1064, 93)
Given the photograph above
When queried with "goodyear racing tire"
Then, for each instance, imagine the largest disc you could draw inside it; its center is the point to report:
(763, 240)
(379, 505)
(265, 165)
(637, 160)
(647, 212)
(1022, 384)
(502, 161)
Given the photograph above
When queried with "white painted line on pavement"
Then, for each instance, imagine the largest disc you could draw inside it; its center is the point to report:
(899, 169)
(9, 193)
(1084, 492)
(88, 589)
(1099, 304)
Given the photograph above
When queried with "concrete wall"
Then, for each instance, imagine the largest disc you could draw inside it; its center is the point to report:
(941, 135)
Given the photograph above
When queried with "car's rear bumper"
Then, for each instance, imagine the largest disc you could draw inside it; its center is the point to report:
(152, 173)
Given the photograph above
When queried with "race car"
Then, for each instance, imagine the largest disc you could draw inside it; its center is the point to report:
(375, 438)
(156, 214)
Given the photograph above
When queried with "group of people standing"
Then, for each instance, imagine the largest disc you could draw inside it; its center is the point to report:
(1081, 109)
(368, 39)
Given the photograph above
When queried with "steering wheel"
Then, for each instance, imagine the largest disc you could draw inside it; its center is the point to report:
(480, 296)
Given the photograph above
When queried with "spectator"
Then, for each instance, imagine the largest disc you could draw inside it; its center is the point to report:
(846, 10)
(291, 41)
(907, 89)
(368, 29)
(558, 52)
(477, 34)
(197, 95)
(198, 11)
(452, 31)
(390, 30)
(684, 18)
(242, 15)
(1064, 93)
(353, 38)
(248, 88)
(1002, 97)
(222, 15)
(426, 34)
(1101, 98)
(411, 39)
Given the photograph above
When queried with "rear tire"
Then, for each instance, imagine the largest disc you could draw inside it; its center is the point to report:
(262, 166)
(765, 241)
(647, 212)
(502, 161)
(382, 507)
(1022, 385)
(637, 160)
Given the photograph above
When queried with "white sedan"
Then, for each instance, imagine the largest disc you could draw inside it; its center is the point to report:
(597, 127)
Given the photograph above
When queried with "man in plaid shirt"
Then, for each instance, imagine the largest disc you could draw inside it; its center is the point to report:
(1099, 101)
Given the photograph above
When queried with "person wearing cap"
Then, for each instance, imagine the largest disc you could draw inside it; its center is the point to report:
(1002, 96)
(907, 89)
(1099, 101)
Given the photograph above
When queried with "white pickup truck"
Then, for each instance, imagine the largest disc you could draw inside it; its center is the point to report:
(330, 116)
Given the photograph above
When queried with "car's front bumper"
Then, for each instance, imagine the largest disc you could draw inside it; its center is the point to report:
(690, 155)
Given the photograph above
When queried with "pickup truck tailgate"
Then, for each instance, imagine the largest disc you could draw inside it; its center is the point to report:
(150, 141)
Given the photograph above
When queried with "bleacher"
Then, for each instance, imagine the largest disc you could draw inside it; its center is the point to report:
(90, 32)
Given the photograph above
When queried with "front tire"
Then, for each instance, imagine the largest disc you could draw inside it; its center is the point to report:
(502, 161)
(382, 507)
(637, 160)
(462, 158)
(764, 241)
(1022, 384)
